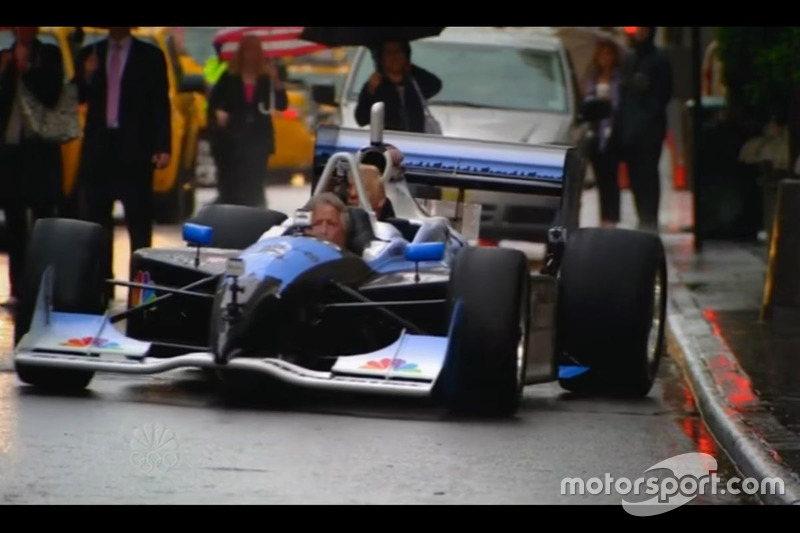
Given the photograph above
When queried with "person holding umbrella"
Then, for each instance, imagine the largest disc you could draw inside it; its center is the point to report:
(240, 123)
(404, 89)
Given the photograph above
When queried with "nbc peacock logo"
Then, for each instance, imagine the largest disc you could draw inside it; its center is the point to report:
(398, 365)
(86, 342)
(142, 296)
(154, 449)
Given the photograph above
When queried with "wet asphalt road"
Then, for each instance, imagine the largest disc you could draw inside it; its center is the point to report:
(171, 439)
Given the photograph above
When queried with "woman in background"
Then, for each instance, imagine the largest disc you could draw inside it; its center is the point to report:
(603, 82)
(240, 124)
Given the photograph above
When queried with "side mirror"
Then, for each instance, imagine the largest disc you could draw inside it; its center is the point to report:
(197, 235)
(595, 110)
(194, 83)
(324, 94)
(430, 251)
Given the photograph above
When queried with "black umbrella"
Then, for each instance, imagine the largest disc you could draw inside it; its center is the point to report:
(370, 36)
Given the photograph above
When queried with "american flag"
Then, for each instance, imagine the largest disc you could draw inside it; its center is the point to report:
(277, 41)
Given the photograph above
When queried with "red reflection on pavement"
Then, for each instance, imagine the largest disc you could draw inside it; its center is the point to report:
(711, 316)
(734, 383)
(694, 427)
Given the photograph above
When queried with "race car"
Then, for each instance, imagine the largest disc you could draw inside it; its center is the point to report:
(410, 307)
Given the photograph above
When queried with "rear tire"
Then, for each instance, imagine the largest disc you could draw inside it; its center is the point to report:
(612, 310)
(235, 226)
(78, 253)
(489, 308)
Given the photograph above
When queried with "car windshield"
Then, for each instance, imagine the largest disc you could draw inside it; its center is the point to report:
(486, 76)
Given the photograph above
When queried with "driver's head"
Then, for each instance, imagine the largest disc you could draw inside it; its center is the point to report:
(329, 219)
(376, 193)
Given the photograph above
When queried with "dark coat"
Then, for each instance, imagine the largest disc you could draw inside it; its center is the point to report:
(145, 115)
(44, 78)
(645, 91)
(247, 123)
(397, 116)
(34, 171)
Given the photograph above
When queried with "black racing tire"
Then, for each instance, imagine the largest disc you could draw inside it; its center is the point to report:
(78, 253)
(612, 310)
(236, 227)
(489, 310)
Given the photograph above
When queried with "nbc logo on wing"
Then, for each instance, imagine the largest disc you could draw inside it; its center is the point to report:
(85, 342)
(142, 296)
(398, 365)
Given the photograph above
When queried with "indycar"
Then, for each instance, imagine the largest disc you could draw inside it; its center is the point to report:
(410, 307)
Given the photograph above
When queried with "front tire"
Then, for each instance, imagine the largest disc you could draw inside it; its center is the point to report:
(612, 310)
(489, 301)
(78, 253)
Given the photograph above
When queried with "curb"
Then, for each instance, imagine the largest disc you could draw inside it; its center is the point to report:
(747, 450)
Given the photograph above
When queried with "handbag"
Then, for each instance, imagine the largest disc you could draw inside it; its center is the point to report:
(432, 125)
(60, 124)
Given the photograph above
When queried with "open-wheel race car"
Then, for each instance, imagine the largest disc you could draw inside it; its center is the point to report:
(410, 307)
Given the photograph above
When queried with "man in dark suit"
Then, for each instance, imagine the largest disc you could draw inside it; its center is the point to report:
(30, 168)
(127, 133)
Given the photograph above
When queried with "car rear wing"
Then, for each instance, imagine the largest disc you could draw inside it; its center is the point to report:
(531, 169)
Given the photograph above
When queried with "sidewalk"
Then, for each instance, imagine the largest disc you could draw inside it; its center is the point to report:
(744, 373)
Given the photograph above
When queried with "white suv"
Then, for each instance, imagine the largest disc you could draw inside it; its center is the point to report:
(508, 85)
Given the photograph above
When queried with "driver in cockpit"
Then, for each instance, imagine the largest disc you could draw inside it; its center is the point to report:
(330, 220)
(376, 192)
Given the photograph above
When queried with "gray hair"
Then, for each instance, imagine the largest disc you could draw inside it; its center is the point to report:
(328, 198)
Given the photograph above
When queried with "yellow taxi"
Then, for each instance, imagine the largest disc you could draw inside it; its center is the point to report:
(295, 127)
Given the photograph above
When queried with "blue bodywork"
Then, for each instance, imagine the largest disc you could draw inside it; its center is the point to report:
(286, 258)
